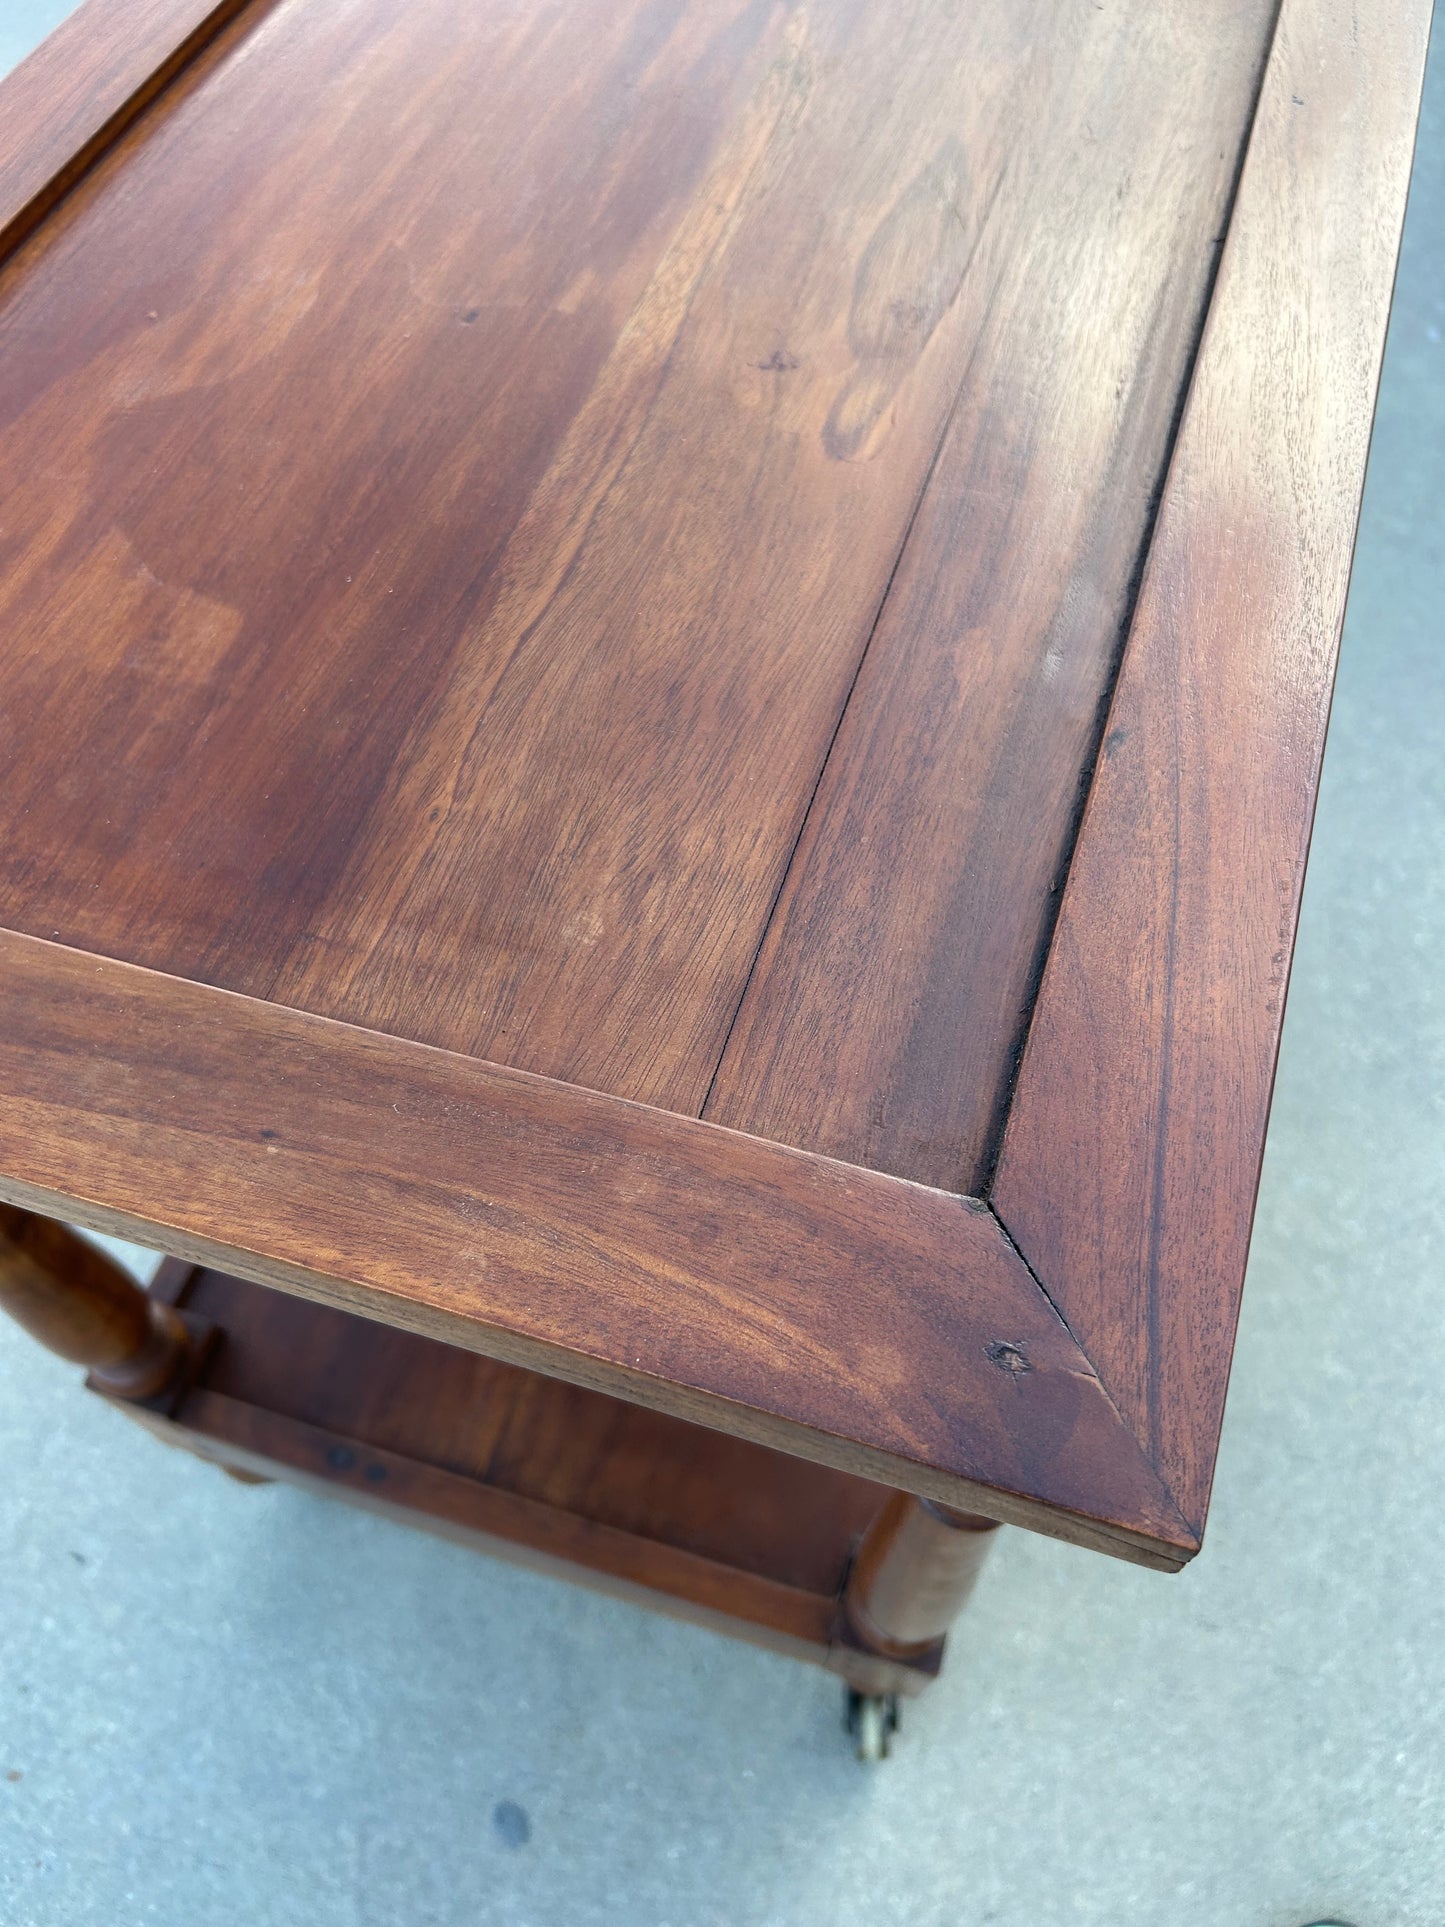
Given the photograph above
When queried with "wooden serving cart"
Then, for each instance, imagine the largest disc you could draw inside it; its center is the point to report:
(664, 671)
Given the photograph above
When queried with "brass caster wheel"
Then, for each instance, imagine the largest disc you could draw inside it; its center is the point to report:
(871, 1720)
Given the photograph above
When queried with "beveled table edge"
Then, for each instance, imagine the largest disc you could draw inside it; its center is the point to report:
(1132, 1151)
(74, 95)
(839, 1314)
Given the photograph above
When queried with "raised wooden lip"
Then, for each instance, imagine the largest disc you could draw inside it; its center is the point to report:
(890, 1329)
(841, 1314)
(74, 95)
(1157, 1025)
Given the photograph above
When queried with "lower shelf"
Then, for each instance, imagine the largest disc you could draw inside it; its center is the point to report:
(716, 1529)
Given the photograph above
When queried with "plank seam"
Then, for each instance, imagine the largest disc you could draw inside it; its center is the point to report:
(1147, 1281)
(78, 166)
(807, 811)
(1186, 1524)
(1089, 767)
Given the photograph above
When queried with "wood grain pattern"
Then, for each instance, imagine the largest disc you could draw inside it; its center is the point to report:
(568, 1479)
(881, 1023)
(915, 1571)
(83, 1307)
(495, 430)
(1132, 1154)
(307, 403)
(664, 1514)
(840, 1314)
(73, 97)
(489, 436)
(563, 1447)
(619, 770)
(454, 461)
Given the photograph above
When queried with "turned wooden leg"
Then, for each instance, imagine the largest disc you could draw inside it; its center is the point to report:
(77, 1303)
(914, 1572)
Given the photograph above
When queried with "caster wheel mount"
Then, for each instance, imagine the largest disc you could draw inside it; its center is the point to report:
(871, 1720)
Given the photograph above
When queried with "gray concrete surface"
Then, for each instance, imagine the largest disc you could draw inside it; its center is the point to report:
(221, 1706)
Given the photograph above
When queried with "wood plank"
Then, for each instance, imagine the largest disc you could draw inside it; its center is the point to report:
(882, 1021)
(1132, 1154)
(313, 336)
(473, 402)
(74, 96)
(664, 1514)
(271, 1445)
(460, 454)
(846, 1316)
(691, 1522)
(83, 85)
(563, 1447)
(619, 769)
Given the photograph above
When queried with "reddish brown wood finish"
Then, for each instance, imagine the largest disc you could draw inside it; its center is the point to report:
(453, 460)
(491, 435)
(1132, 1156)
(837, 1313)
(61, 108)
(722, 1531)
(882, 1020)
(80, 1305)
(916, 1567)
(552, 1444)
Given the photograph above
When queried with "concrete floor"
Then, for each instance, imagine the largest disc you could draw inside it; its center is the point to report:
(222, 1706)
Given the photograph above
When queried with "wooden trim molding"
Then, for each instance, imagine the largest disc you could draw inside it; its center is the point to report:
(1132, 1152)
(841, 1314)
(76, 94)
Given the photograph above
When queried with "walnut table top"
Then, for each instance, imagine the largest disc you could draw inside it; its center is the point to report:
(664, 671)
